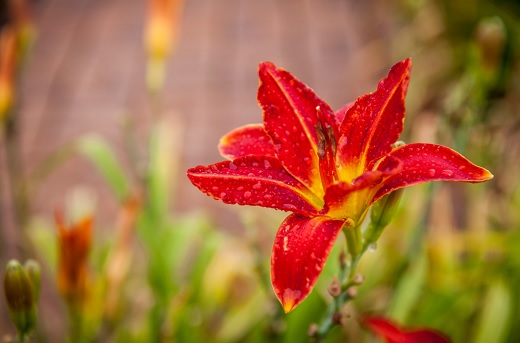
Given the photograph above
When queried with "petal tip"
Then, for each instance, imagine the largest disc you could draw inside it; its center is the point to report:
(290, 299)
(486, 176)
(266, 65)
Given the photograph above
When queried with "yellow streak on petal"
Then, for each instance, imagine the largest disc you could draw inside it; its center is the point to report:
(289, 299)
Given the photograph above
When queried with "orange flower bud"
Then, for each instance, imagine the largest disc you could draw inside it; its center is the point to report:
(7, 66)
(160, 37)
(73, 249)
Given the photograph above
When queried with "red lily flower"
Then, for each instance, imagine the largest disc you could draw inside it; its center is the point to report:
(325, 167)
(392, 333)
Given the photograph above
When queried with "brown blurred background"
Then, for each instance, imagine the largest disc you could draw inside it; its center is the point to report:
(86, 74)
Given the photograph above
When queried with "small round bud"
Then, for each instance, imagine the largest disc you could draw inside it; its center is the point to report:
(352, 292)
(313, 330)
(335, 287)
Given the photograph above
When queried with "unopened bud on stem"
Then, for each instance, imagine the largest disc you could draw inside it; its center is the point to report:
(20, 297)
(382, 213)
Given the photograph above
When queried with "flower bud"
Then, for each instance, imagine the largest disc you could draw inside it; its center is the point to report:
(7, 68)
(491, 40)
(382, 213)
(19, 294)
(32, 269)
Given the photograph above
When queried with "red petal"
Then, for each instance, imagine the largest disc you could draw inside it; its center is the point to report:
(257, 181)
(430, 162)
(375, 121)
(293, 117)
(394, 334)
(246, 140)
(345, 200)
(426, 336)
(340, 114)
(300, 250)
(385, 328)
(351, 200)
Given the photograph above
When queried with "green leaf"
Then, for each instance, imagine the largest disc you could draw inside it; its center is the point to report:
(99, 153)
(409, 289)
(163, 166)
(495, 317)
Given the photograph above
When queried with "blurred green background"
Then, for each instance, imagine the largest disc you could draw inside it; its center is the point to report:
(114, 100)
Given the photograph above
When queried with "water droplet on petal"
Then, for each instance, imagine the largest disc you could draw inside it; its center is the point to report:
(247, 195)
(257, 185)
(232, 166)
(372, 247)
(289, 206)
(268, 196)
(223, 194)
(447, 172)
(240, 188)
(267, 165)
(214, 188)
(431, 172)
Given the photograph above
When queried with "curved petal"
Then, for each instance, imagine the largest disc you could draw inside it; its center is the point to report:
(394, 334)
(256, 181)
(374, 122)
(340, 114)
(430, 162)
(300, 124)
(300, 250)
(246, 140)
(351, 200)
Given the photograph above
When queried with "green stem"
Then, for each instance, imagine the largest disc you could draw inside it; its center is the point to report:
(332, 315)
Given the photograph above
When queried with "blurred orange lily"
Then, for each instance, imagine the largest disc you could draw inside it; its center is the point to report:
(7, 67)
(74, 244)
(160, 35)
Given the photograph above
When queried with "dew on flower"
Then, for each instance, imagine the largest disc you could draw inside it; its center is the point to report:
(447, 172)
(372, 247)
(214, 188)
(291, 178)
(285, 243)
(223, 195)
